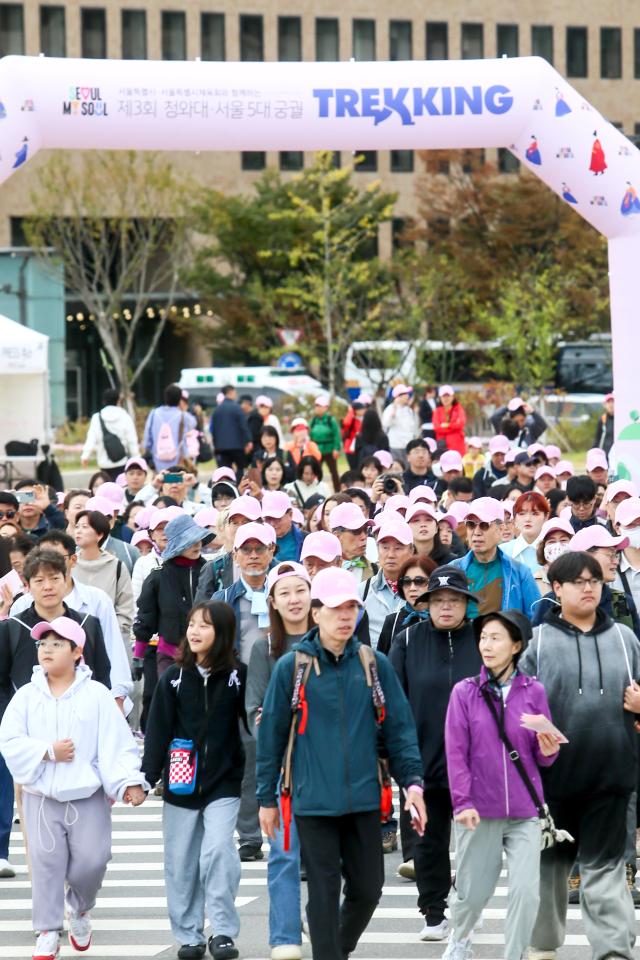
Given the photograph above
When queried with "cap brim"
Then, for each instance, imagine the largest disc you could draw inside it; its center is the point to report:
(465, 593)
(339, 599)
(205, 536)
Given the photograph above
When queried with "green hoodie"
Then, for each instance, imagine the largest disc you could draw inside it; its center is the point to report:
(325, 432)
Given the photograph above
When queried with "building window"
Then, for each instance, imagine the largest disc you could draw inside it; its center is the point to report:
(251, 38)
(366, 161)
(364, 39)
(93, 22)
(254, 159)
(636, 54)
(289, 38)
(542, 43)
(507, 163)
(507, 40)
(610, 53)
(437, 41)
(291, 160)
(577, 52)
(174, 35)
(53, 41)
(134, 34)
(398, 227)
(400, 40)
(212, 40)
(472, 41)
(634, 139)
(11, 29)
(327, 39)
(402, 161)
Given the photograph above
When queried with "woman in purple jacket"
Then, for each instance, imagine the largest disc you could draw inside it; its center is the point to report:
(493, 811)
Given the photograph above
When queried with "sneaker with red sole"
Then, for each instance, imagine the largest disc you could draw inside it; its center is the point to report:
(47, 945)
(79, 931)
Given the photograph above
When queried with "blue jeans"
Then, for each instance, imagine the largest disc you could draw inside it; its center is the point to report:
(283, 881)
(6, 808)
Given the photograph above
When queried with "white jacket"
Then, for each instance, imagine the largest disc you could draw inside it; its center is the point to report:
(117, 421)
(400, 424)
(106, 754)
(144, 565)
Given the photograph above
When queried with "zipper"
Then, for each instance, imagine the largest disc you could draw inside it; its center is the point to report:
(450, 660)
(53, 778)
(344, 744)
(206, 737)
(505, 765)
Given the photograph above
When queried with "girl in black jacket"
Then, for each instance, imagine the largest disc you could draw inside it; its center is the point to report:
(198, 702)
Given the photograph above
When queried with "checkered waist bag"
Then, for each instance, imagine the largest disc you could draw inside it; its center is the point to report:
(183, 767)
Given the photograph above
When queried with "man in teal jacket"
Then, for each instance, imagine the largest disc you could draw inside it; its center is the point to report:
(336, 791)
(325, 432)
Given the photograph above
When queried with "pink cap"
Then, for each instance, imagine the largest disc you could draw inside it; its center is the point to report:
(544, 471)
(298, 423)
(565, 514)
(223, 473)
(113, 492)
(246, 506)
(207, 517)
(475, 442)
(400, 389)
(431, 443)
(384, 458)
(459, 510)
(104, 506)
(628, 487)
(564, 466)
(292, 570)
(446, 390)
(262, 532)
(365, 398)
(397, 502)
(164, 515)
(597, 536)
(349, 516)
(121, 480)
(628, 511)
(596, 459)
(417, 509)
(64, 627)
(510, 455)
(394, 527)
(608, 397)
(220, 397)
(321, 401)
(60, 495)
(552, 452)
(143, 517)
(297, 516)
(275, 504)
(423, 492)
(450, 460)
(136, 462)
(333, 587)
(534, 448)
(509, 507)
(514, 404)
(321, 544)
(555, 525)
(486, 509)
(448, 518)
(140, 536)
(499, 444)
(263, 401)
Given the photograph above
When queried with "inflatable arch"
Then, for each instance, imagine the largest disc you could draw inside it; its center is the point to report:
(522, 104)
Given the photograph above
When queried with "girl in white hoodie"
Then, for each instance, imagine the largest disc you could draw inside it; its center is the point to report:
(68, 784)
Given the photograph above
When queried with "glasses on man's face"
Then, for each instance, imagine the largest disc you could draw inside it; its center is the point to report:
(8, 514)
(51, 644)
(247, 549)
(413, 581)
(582, 583)
(472, 524)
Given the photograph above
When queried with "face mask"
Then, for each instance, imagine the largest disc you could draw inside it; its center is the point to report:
(633, 534)
(554, 550)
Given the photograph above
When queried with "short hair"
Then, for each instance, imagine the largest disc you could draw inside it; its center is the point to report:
(99, 474)
(176, 468)
(22, 484)
(246, 398)
(508, 428)
(461, 485)
(556, 497)
(571, 564)
(426, 564)
(349, 477)
(165, 501)
(227, 389)
(71, 494)
(372, 462)
(581, 489)
(533, 498)
(59, 536)
(110, 397)
(22, 544)
(172, 395)
(417, 442)
(500, 490)
(98, 522)
(40, 559)
(270, 431)
(309, 462)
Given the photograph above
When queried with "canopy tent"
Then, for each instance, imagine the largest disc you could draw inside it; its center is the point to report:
(24, 384)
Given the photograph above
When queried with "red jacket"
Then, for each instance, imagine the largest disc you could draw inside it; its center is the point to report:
(449, 426)
(351, 426)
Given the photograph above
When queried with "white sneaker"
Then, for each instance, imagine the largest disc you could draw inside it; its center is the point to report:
(438, 931)
(6, 870)
(541, 954)
(458, 950)
(79, 930)
(286, 951)
(47, 946)
(407, 870)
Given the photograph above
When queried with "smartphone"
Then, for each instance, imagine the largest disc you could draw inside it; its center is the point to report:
(173, 478)
(415, 816)
(25, 496)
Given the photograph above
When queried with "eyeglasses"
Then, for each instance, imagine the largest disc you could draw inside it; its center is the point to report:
(247, 549)
(482, 524)
(9, 514)
(410, 581)
(51, 644)
(582, 584)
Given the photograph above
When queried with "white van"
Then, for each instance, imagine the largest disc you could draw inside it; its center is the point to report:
(371, 364)
(205, 383)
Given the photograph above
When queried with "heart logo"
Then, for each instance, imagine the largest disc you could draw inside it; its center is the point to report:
(85, 92)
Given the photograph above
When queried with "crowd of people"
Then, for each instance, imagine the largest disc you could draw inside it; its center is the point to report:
(268, 654)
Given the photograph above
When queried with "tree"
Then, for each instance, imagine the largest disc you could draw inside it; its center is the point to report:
(119, 226)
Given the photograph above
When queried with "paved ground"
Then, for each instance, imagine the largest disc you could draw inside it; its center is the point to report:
(130, 918)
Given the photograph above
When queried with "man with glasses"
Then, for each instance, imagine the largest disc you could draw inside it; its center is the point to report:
(525, 467)
(499, 582)
(223, 570)
(379, 594)
(277, 511)
(589, 666)
(8, 508)
(430, 658)
(347, 522)
(253, 550)
(581, 494)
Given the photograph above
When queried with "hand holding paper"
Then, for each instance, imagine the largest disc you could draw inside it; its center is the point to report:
(540, 724)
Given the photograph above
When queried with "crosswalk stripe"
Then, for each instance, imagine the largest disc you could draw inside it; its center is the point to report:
(115, 903)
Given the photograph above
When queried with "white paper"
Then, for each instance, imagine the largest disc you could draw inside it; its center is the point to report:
(539, 723)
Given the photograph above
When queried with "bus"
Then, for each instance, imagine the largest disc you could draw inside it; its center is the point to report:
(278, 383)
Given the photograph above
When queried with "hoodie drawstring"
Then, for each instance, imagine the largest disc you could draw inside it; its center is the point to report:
(579, 664)
(595, 637)
(42, 821)
(601, 678)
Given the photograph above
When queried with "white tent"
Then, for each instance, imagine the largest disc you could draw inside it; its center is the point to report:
(24, 384)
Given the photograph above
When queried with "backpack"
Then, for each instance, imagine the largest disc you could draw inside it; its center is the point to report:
(165, 448)
(113, 445)
(192, 442)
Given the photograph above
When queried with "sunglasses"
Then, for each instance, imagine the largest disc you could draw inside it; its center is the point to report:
(413, 581)
(247, 549)
(472, 524)
(8, 514)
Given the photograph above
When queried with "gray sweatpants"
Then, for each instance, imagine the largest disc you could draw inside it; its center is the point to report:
(478, 865)
(67, 841)
(201, 868)
(248, 821)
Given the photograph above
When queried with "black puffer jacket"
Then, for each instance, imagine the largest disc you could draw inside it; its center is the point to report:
(429, 662)
(167, 596)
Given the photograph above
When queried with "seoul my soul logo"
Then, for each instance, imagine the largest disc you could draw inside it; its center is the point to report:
(84, 102)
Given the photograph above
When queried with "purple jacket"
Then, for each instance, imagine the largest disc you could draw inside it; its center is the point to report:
(481, 775)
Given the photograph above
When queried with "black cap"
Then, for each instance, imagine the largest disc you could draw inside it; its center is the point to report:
(313, 501)
(9, 499)
(448, 578)
(521, 457)
(514, 618)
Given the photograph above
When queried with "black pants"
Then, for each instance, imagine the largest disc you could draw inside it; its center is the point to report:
(231, 458)
(431, 856)
(150, 681)
(332, 847)
(330, 461)
(113, 472)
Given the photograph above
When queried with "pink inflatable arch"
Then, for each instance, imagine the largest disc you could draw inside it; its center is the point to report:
(521, 103)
